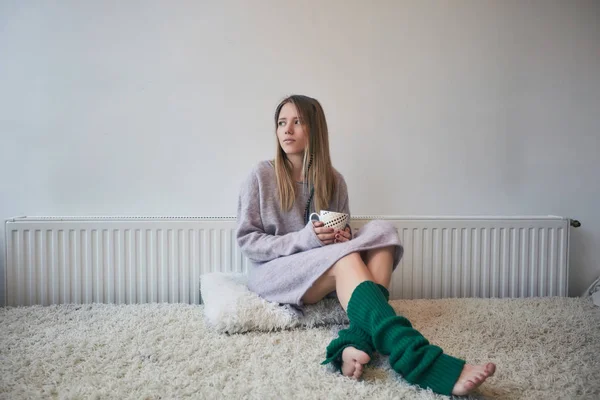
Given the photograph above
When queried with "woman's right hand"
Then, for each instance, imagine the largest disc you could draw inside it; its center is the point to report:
(325, 235)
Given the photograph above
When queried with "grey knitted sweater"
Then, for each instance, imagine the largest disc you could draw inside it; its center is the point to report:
(286, 254)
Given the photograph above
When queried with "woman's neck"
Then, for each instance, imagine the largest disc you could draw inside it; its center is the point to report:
(297, 161)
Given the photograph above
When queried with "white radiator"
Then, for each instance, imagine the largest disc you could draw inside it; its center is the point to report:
(53, 260)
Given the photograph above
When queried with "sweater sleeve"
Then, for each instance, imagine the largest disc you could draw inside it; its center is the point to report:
(259, 246)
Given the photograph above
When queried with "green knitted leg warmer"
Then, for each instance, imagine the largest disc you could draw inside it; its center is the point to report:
(410, 353)
(384, 292)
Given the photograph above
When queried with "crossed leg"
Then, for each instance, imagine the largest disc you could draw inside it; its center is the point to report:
(376, 265)
(373, 265)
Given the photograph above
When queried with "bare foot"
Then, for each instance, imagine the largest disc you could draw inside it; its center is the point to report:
(471, 377)
(353, 361)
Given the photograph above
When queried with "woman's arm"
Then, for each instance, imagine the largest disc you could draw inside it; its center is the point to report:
(259, 246)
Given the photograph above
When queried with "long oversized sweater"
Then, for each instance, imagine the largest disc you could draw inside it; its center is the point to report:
(286, 255)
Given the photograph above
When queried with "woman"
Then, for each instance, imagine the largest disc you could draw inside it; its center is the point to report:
(296, 261)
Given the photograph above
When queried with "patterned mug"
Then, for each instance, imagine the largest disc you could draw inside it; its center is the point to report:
(331, 219)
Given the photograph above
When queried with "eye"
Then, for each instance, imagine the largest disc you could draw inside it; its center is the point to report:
(281, 123)
(297, 122)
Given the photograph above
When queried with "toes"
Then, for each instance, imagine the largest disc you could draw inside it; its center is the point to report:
(362, 358)
(469, 386)
(347, 369)
(472, 376)
(353, 361)
(352, 369)
(352, 354)
(357, 370)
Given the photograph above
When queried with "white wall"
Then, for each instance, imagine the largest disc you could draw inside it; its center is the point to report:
(435, 108)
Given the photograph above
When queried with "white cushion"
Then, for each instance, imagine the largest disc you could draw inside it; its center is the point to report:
(229, 306)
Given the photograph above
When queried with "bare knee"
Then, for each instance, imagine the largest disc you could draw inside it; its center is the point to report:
(385, 254)
(380, 264)
(350, 258)
(349, 265)
(386, 250)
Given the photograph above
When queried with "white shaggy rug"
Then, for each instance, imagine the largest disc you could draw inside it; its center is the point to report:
(545, 349)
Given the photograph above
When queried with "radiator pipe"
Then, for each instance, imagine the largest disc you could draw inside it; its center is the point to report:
(575, 223)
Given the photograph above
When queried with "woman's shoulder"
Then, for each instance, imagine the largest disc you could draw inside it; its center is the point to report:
(339, 177)
(263, 168)
(260, 171)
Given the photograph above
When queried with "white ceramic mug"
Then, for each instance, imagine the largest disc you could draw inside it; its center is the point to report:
(331, 219)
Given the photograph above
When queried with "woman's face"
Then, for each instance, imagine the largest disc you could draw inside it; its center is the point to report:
(290, 132)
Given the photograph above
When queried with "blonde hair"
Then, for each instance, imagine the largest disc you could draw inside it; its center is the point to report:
(316, 166)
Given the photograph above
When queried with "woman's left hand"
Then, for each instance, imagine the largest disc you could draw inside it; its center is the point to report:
(342, 236)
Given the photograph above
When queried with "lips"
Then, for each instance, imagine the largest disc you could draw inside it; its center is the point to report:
(288, 141)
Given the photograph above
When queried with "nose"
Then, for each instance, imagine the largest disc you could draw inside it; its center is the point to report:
(288, 129)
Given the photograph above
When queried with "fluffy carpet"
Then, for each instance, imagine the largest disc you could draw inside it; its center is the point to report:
(545, 348)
